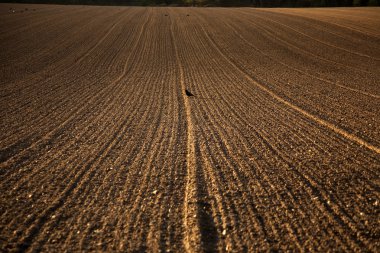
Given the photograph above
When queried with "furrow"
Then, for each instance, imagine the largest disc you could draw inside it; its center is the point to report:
(79, 110)
(299, 70)
(318, 120)
(326, 43)
(270, 32)
(35, 229)
(192, 240)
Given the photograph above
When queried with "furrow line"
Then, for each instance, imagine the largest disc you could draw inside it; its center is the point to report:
(223, 204)
(325, 25)
(270, 33)
(342, 117)
(78, 110)
(192, 240)
(230, 149)
(106, 103)
(246, 94)
(87, 171)
(316, 119)
(47, 93)
(211, 109)
(350, 28)
(100, 41)
(64, 64)
(324, 202)
(325, 43)
(95, 176)
(223, 147)
(299, 70)
(34, 56)
(79, 179)
(231, 137)
(50, 17)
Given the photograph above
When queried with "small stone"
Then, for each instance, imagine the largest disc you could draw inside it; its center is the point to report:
(155, 192)
(224, 232)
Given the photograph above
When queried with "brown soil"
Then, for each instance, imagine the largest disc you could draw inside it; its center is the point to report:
(102, 150)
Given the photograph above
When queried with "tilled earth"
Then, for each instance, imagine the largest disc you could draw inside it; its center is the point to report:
(102, 150)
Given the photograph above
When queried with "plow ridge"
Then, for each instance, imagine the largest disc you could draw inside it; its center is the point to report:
(328, 44)
(65, 124)
(270, 32)
(191, 240)
(189, 129)
(301, 71)
(318, 120)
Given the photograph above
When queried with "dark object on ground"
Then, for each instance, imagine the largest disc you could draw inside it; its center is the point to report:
(188, 93)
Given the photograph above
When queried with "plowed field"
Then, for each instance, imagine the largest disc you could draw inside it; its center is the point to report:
(102, 150)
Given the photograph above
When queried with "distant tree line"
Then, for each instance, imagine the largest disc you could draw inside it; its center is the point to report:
(255, 3)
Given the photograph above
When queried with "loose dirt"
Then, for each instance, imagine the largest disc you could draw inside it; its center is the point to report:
(102, 149)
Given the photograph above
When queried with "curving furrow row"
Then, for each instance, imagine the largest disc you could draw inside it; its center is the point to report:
(37, 45)
(102, 149)
(62, 137)
(300, 87)
(85, 84)
(134, 138)
(221, 139)
(359, 20)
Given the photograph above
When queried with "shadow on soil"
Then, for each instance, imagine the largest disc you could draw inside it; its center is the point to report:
(209, 233)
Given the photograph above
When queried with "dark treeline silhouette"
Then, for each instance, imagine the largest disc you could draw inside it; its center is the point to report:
(255, 3)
